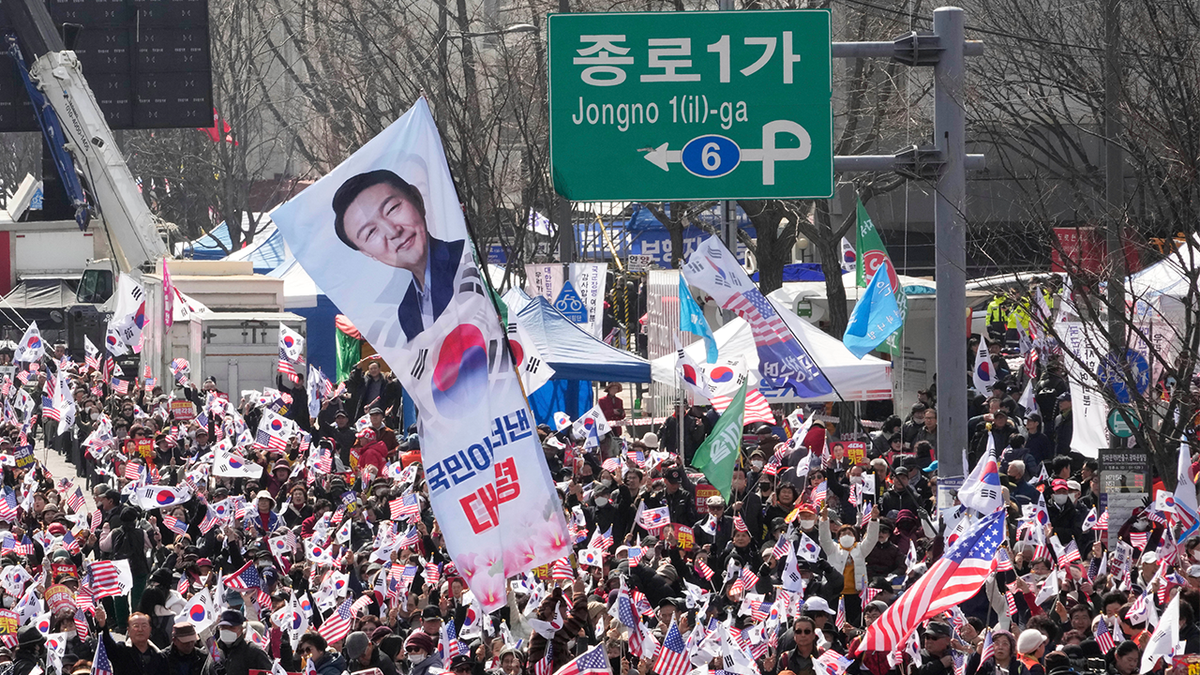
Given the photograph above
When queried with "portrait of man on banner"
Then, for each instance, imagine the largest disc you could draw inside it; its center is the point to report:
(382, 216)
(383, 234)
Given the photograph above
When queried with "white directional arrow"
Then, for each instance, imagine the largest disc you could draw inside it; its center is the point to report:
(769, 154)
(662, 157)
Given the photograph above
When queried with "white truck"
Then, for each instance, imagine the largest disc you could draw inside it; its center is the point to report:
(235, 337)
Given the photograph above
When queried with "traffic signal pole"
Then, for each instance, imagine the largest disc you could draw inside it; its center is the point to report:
(945, 162)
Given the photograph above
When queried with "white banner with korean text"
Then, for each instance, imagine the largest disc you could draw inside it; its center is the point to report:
(383, 234)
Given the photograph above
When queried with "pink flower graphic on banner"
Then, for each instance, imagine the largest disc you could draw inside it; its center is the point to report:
(519, 557)
(489, 590)
(552, 541)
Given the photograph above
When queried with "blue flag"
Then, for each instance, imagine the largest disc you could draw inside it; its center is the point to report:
(876, 316)
(691, 319)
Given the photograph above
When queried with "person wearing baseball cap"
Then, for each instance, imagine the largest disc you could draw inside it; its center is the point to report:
(183, 657)
(238, 654)
(678, 498)
(937, 646)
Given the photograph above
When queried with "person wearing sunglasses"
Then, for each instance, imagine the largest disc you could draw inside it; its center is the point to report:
(315, 650)
(800, 659)
(421, 653)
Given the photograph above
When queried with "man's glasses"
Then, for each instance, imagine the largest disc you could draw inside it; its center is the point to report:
(806, 631)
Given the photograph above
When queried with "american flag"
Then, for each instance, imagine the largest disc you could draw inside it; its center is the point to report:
(818, 493)
(337, 625)
(184, 585)
(953, 579)
(768, 328)
(1003, 562)
(781, 548)
(433, 572)
(561, 570)
(75, 500)
(758, 409)
(1102, 521)
(840, 619)
(120, 387)
(97, 519)
(49, 411)
(1010, 603)
(265, 440)
(245, 579)
(868, 595)
(1070, 554)
(632, 621)
(989, 649)
(546, 663)
(595, 662)
(8, 505)
(749, 579)
(133, 471)
(81, 625)
(287, 367)
(405, 506)
(71, 543)
(1139, 539)
(1104, 636)
(602, 540)
(174, 524)
(103, 577)
(704, 570)
(101, 665)
(772, 467)
(672, 657)
(210, 520)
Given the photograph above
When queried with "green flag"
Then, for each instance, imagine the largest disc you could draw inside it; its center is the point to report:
(870, 253)
(719, 453)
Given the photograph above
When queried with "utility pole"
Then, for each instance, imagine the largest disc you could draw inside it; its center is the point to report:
(562, 207)
(1114, 188)
(950, 249)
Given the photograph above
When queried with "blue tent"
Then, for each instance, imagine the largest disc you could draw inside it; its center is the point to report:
(573, 353)
(576, 356)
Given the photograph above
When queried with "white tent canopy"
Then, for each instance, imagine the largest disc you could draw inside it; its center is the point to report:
(868, 379)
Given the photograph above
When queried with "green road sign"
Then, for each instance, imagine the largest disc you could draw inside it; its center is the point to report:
(691, 105)
(1117, 425)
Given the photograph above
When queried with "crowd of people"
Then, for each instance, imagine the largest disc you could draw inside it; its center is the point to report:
(211, 547)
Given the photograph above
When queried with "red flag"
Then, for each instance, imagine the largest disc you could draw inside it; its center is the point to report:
(220, 130)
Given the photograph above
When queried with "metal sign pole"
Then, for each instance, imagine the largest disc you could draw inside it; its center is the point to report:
(950, 229)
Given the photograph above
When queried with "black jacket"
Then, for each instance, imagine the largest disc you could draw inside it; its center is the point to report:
(185, 664)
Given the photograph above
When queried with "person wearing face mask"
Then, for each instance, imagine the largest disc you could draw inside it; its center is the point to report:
(850, 556)
(806, 520)
(1067, 516)
(716, 529)
(602, 515)
(237, 655)
(422, 654)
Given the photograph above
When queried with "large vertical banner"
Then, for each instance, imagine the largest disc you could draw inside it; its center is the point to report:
(1089, 413)
(383, 234)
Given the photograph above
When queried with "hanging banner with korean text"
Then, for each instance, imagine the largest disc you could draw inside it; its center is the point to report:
(577, 291)
(383, 234)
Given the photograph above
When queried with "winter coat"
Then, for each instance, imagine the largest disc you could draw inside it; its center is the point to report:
(239, 658)
(858, 553)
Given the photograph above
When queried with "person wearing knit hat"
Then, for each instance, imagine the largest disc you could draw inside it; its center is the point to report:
(422, 653)
(1031, 647)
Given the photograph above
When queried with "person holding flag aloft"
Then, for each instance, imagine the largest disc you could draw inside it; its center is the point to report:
(849, 555)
